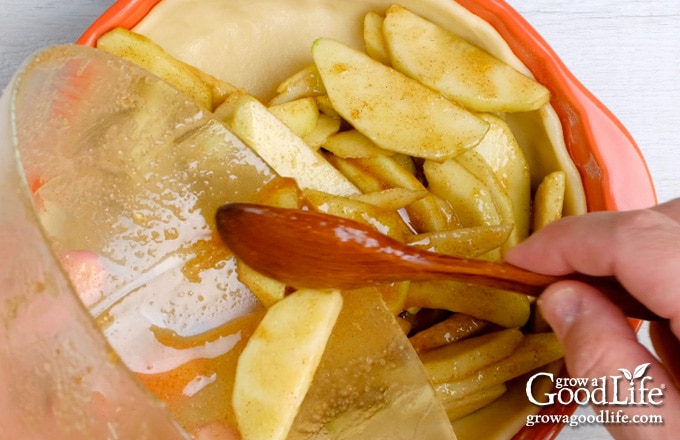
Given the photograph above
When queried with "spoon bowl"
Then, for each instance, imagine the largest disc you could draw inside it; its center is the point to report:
(308, 249)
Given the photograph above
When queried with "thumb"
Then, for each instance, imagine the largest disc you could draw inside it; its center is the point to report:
(598, 341)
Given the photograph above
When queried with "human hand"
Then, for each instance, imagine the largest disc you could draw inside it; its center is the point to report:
(642, 249)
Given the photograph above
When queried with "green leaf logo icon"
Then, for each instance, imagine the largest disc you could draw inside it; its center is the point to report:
(638, 373)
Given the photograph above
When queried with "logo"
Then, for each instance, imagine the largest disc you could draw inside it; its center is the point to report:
(627, 389)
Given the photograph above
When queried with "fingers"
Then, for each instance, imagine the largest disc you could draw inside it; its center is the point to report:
(639, 247)
(598, 341)
(667, 347)
(671, 209)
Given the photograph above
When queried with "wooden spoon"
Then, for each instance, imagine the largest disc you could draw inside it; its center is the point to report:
(315, 250)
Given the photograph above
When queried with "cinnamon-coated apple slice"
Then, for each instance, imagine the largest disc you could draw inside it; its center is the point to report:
(460, 70)
(394, 111)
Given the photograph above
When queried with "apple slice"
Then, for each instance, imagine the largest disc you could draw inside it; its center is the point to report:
(351, 143)
(325, 127)
(462, 242)
(278, 363)
(206, 90)
(475, 164)
(374, 40)
(300, 115)
(394, 111)
(302, 84)
(502, 307)
(392, 198)
(470, 197)
(501, 151)
(446, 62)
(549, 199)
(382, 220)
(284, 151)
(460, 359)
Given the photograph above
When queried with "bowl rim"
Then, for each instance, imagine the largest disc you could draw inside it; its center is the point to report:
(611, 165)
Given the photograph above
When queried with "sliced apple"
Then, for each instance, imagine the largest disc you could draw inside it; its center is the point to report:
(460, 359)
(462, 242)
(325, 127)
(278, 363)
(325, 106)
(446, 62)
(300, 115)
(149, 55)
(351, 143)
(225, 111)
(497, 421)
(535, 350)
(500, 150)
(282, 192)
(549, 199)
(284, 151)
(302, 84)
(384, 221)
(458, 408)
(374, 40)
(267, 290)
(427, 214)
(407, 162)
(396, 112)
(468, 195)
(456, 327)
(392, 198)
(507, 309)
(357, 174)
(475, 163)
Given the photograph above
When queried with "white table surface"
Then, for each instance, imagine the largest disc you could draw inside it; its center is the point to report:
(627, 52)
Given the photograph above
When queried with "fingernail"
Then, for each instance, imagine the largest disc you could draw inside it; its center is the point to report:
(561, 306)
